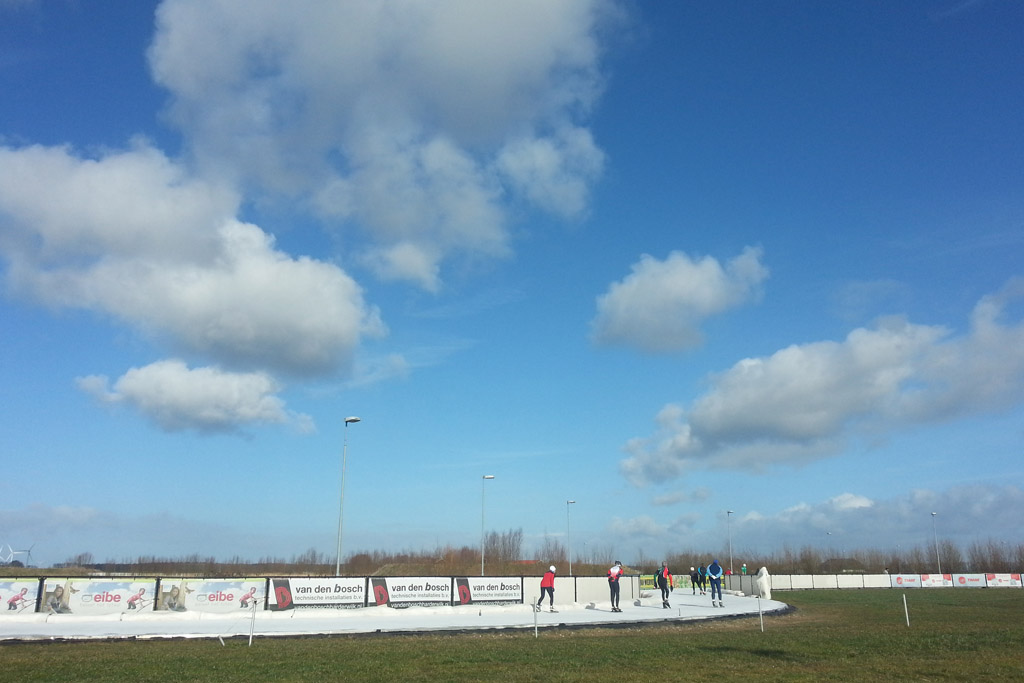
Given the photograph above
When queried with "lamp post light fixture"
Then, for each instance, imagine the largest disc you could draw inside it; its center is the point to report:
(483, 481)
(341, 501)
(935, 535)
(728, 523)
(568, 534)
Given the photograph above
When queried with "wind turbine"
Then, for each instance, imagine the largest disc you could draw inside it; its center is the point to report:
(27, 553)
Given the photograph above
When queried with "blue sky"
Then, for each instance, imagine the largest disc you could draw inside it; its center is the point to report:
(663, 259)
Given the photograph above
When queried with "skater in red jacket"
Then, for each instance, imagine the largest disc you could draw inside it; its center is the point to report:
(547, 585)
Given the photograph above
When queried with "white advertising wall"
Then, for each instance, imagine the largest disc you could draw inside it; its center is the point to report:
(905, 581)
(1003, 580)
(936, 580)
(97, 596)
(211, 595)
(969, 580)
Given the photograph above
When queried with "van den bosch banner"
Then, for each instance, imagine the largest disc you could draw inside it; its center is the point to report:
(488, 590)
(411, 591)
(321, 592)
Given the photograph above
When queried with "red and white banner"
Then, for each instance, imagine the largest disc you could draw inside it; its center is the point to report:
(1003, 580)
(905, 580)
(211, 595)
(969, 580)
(409, 591)
(97, 596)
(936, 580)
(18, 596)
(488, 590)
(324, 592)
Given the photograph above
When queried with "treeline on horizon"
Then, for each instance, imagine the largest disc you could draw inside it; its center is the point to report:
(503, 555)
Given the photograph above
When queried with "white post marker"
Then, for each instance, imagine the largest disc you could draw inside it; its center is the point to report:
(905, 610)
(252, 624)
(535, 633)
(760, 613)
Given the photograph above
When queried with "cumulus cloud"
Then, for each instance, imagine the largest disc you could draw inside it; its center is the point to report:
(134, 236)
(204, 399)
(852, 521)
(802, 402)
(660, 305)
(415, 121)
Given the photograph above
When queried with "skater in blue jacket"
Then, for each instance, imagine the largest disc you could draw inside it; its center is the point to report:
(715, 576)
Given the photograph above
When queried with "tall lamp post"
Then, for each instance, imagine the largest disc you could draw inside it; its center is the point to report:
(728, 524)
(341, 502)
(935, 535)
(568, 534)
(483, 481)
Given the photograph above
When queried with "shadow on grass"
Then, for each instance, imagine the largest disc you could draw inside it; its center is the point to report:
(766, 653)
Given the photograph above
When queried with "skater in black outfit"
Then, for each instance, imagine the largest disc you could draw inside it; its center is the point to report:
(613, 584)
(695, 580)
(664, 579)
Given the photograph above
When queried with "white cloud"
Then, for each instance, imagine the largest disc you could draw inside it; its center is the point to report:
(802, 402)
(661, 304)
(634, 527)
(132, 235)
(414, 120)
(204, 399)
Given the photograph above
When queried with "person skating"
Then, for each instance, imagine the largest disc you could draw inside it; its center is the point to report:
(695, 580)
(547, 585)
(613, 584)
(715, 575)
(702, 570)
(664, 580)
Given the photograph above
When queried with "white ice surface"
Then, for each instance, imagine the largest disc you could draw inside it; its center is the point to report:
(685, 607)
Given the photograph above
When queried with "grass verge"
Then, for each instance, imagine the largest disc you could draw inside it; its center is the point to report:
(854, 635)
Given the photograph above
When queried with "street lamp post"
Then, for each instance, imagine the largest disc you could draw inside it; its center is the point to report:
(935, 535)
(341, 500)
(568, 534)
(483, 481)
(728, 523)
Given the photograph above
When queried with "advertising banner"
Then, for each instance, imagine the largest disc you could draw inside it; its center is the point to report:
(969, 580)
(488, 590)
(1003, 580)
(338, 591)
(18, 596)
(936, 580)
(410, 591)
(97, 596)
(905, 581)
(211, 595)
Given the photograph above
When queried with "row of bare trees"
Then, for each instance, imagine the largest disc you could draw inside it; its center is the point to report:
(503, 553)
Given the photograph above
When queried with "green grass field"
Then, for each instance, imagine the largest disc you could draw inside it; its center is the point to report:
(855, 635)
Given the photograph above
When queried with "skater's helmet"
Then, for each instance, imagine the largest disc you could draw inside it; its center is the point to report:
(552, 568)
(691, 569)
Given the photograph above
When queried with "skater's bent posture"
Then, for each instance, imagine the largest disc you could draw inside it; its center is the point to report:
(715, 575)
(613, 584)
